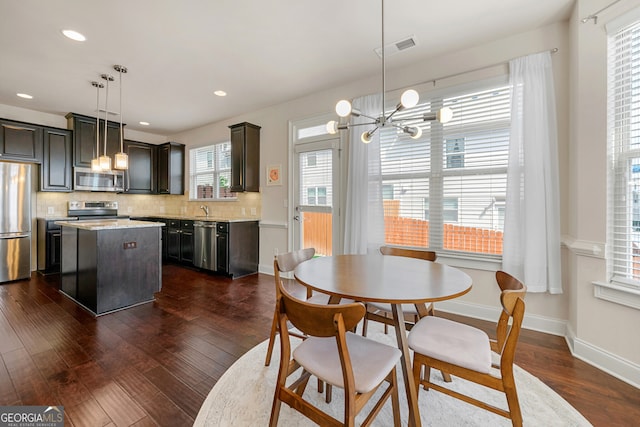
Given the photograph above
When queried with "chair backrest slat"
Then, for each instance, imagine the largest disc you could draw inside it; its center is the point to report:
(318, 320)
(409, 253)
(289, 261)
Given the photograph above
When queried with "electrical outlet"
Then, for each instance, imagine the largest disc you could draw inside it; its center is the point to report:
(129, 209)
(243, 211)
(161, 209)
(50, 210)
(130, 245)
(253, 211)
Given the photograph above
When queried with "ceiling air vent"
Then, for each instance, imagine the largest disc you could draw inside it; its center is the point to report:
(395, 47)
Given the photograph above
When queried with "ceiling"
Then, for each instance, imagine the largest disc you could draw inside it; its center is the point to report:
(260, 52)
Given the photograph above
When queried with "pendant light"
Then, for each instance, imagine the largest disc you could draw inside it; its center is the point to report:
(105, 161)
(95, 162)
(121, 159)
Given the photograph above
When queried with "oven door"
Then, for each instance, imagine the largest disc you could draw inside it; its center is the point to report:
(87, 180)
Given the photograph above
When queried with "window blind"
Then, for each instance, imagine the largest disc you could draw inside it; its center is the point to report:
(446, 190)
(623, 132)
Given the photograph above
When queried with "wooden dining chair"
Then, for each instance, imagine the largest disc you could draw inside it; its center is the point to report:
(285, 263)
(335, 356)
(465, 351)
(381, 312)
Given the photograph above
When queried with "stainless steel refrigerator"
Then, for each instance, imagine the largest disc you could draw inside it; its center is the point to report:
(15, 221)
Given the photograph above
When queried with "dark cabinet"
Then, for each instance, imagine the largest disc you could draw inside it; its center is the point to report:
(170, 170)
(49, 246)
(57, 163)
(84, 138)
(245, 157)
(237, 246)
(20, 141)
(179, 240)
(140, 178)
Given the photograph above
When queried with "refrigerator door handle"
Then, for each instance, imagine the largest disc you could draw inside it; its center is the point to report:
(13, 236)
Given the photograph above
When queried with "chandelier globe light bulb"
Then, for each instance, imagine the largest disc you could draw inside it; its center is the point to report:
(409, 98)
(343, 108)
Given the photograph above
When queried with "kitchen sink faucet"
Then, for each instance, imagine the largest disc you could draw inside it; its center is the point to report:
(205, 209)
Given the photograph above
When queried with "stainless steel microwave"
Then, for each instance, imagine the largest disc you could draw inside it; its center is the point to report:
(85, 179)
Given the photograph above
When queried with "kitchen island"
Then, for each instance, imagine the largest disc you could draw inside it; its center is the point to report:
(108, 265)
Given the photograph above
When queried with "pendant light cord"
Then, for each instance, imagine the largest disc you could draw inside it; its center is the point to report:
(106, 111)
(121, 130)
(97, 85)
(382, 117)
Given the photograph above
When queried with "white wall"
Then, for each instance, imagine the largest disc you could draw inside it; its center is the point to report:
(600, 331)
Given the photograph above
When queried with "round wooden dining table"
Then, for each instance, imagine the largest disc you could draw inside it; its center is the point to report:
(391, 279)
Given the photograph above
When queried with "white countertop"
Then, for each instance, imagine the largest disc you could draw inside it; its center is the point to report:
(109, 224)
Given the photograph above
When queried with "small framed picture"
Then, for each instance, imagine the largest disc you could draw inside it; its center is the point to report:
(273, 175)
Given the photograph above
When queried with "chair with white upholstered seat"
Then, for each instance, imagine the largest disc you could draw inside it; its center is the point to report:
(465, 351)
(285, 263)
(334, 355)
(380, 312)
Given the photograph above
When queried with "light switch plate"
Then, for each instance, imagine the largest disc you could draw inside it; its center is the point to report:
(50, 210)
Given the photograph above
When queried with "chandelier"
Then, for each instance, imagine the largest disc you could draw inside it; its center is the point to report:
(408, 99)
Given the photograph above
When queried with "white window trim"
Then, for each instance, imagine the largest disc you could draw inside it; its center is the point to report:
(617, 293)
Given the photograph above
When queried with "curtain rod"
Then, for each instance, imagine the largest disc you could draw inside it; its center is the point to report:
(594, 15)
(554, 50)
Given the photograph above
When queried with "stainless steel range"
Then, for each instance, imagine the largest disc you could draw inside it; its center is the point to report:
(88, 210)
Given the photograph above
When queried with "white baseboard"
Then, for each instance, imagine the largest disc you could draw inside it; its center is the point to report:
(608, 362)
(266, 269)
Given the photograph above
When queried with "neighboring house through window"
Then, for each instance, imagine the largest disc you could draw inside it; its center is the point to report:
(445, 191)
(210, 172)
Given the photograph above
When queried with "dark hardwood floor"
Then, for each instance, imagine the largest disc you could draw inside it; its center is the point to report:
(154, 364)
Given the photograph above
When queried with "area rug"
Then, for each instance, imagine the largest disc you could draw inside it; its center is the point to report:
(244, 395)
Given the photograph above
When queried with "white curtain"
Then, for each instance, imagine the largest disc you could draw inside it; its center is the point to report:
(531, 249)
(364, 212)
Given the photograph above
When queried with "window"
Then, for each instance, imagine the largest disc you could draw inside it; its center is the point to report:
(317, 196)
(211, 172)
(447, 184)
(623, 129)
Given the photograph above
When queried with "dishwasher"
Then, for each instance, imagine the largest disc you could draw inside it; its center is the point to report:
(204, 245)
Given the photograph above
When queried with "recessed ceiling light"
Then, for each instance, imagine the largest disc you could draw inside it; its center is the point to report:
(24, 95)
(220, 93)
(74, 35)
(144, 123)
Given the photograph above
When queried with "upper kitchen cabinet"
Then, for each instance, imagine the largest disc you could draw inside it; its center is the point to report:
(140, 177)
(171, 168)
(84, 138)
(20, 141)
(245, 157)
(55, 171)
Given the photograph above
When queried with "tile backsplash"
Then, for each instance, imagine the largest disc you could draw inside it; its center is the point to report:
(247, 205)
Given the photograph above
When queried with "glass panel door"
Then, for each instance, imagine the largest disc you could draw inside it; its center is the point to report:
(315, 196)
